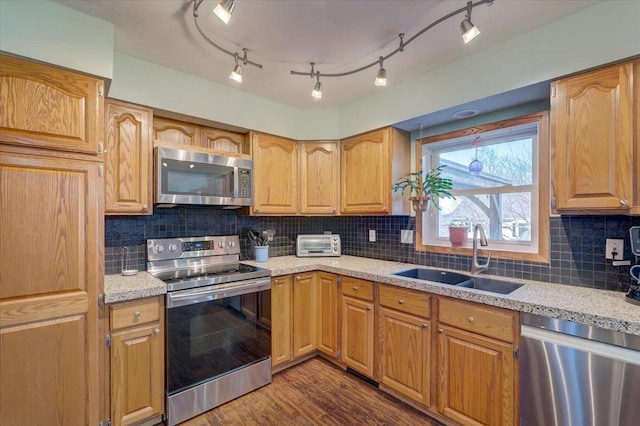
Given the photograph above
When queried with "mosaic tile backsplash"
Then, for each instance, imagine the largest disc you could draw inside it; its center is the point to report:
(577, 242)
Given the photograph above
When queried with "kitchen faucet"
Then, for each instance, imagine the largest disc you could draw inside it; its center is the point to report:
(476, 267)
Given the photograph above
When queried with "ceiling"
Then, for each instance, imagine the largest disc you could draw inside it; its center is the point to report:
(337, 35)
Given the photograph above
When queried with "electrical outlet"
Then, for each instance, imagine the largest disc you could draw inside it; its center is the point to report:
(614, 246)
(406, 236)
(372, 235)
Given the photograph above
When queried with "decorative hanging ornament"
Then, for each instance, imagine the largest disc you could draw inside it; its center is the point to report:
(475, 167)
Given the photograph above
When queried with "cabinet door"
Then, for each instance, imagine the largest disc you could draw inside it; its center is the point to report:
(281, 315)
(406, 350)
(128, 182)
(365, 180)
(327, 305)
(304, 314)
(137, 374)
(46, 107)
(592, 130)
(357, 335)
(275, 171)
(50, 337)
(476, 378)
(176, 132)
(319, 177)
(222, 140)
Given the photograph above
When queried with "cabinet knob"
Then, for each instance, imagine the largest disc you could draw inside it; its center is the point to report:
(401, 302)
(471, 320)
(440, 331)
(334, 211)
(368, 308)
(277, 281)
(424, 325)
(136, 314)
(384, 208)
(355, 288)
(156, 330)
(297, 277)
(624, 202)
(257, 210)
(145, 208)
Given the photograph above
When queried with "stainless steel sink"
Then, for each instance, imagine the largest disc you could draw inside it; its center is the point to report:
(442, 277)
(461, 280)
(490, 284)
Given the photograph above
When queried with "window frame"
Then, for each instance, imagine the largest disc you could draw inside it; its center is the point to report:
(544, 162)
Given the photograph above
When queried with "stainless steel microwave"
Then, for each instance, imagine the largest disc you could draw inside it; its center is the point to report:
(191, 177)
(318, 245)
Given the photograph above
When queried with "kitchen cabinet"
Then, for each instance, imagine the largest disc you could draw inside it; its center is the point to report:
(405, 336)
(128, 159)
(477, 366)
(327, 308)
(304, 314)
(137, 361)
(46, 107)
(281, 319)
(51, 272)
(222, 140)
(594, 137)
(369, 164)
(176, 132)
(319, 177)
(358, 325)
(275, 175)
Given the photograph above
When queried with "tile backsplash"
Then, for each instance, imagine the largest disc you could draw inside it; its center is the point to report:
(577, 242)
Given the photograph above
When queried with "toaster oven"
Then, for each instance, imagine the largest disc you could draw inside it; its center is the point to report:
(318, 245)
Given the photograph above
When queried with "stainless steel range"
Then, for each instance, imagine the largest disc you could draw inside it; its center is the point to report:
(218, 322)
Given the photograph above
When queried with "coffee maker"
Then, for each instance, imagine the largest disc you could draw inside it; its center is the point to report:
(633, 296)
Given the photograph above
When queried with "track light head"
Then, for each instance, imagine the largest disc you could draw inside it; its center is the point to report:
(317, 88)
(224, 10)
(468, 30)
(236, 74)
(381, 78)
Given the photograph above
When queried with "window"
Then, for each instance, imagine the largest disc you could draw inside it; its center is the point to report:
(500, 180)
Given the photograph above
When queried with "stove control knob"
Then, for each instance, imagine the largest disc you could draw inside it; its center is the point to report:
(221, 244)
(173, 247)
(159, 248)
(231, 244)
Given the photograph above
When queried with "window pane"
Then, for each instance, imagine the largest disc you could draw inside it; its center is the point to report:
(509, 163)
(506, 217)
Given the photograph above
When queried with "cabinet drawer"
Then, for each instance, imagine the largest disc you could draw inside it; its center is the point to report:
(134, 313)
(355, 287)
(485, 320)
(402, 299)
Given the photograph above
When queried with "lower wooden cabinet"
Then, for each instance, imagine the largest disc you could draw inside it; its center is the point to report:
(477, 369)
(281, 318)
(358, 325)
(137, 360)
(405, 335)
(304, 314)
(327, 313)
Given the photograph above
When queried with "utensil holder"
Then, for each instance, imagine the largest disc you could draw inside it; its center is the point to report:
(262, 253)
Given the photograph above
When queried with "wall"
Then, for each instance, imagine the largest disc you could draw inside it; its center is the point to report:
(577, 243)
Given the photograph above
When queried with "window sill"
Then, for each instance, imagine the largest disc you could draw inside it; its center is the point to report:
(495, 254)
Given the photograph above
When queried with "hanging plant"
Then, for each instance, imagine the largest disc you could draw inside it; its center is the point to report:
(425, 188)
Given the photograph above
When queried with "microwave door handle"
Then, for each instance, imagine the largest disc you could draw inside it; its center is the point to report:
(193, 296)
(236, 183)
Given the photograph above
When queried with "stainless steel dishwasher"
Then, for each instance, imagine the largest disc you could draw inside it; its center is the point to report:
(577, 375)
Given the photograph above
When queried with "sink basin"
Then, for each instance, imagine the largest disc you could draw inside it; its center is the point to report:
(490, 284)
(461, 280)
(442, 277)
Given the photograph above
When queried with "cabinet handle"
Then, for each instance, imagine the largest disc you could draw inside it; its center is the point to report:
(136, 314)
(471, 320)
(384, 208)
(355, 288)
(401, 302)
(624, 203)
(368, 308)
(257, 210)
(334, 211)
(440, 331)
(156, 330)
(297, 277)
(424, 325)
(276, 281)
(145, 208)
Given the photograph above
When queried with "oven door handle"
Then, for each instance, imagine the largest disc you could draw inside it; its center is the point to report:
(207, 294)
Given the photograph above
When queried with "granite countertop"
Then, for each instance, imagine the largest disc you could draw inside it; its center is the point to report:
(601, 308)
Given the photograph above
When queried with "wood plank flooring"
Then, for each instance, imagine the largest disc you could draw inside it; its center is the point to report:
(314, 393)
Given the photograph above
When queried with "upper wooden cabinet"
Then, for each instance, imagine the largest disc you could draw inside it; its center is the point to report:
(128, 159)
(595, 140)
(46, 107)
(369, 164)
(275, 174)
(176, 132)
(319, 177)
(222, 140)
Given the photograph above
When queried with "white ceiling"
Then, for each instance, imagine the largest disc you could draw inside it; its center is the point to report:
(336, 35)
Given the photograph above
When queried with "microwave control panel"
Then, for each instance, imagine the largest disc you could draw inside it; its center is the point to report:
(244, 190)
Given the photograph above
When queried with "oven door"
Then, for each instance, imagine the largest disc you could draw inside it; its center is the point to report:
(213, 331)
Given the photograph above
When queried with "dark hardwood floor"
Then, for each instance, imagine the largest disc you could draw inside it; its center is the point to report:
(314, 393)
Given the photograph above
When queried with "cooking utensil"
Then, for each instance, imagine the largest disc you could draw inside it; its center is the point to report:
(271, 232)
(252, 237)
(265, 237)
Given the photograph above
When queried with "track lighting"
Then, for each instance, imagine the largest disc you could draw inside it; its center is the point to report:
(317, 88)
(224, 10)
(468, 30)
(236, 74)
(381, 78)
